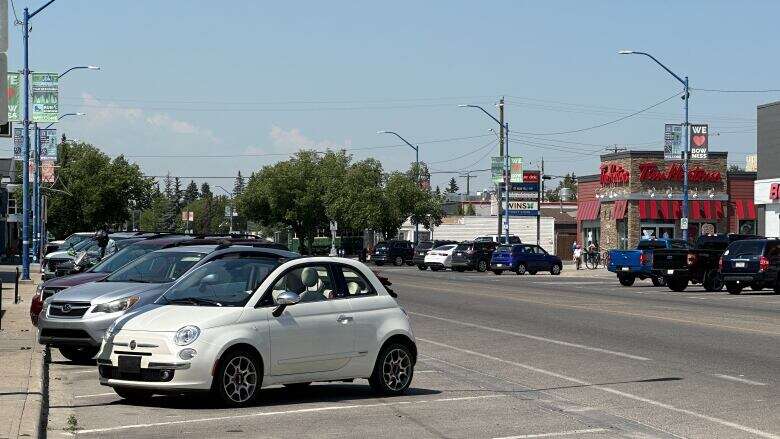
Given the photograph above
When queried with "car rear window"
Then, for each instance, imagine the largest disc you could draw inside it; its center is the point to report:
(746, 248)
(651, 245)
(424, 245)
(466, 246)
(381, 246)
(504, 248)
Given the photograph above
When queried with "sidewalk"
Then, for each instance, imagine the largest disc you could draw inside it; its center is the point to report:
(21, 362)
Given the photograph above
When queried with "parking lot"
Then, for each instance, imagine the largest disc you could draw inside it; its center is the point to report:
(575, 355)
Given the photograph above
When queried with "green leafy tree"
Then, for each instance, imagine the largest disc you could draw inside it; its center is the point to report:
(470, 210)
(209, 215)
(568, 181)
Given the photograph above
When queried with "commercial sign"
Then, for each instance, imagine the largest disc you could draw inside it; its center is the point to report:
(613, 174)
(673, 141)
(699, 141)
(774, 191)
(45, 97)
(650, 172)
(188, 216)
(497, 169)
(47, 139)
(18, 143)
(531, 176)
(13, 93)
(523, 208)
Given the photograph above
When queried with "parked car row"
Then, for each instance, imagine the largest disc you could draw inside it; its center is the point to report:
(175, 314)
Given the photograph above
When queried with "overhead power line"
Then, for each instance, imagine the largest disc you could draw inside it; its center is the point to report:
(721, 90)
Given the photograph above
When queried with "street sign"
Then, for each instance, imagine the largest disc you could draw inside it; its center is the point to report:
(531, 176)
(14, 96)
(673, 141)
(3, 60)
(699, 141)
(45, 97)
(334, 226)
(522, 208)
(683, 223)
(48, 142)
(18, 143)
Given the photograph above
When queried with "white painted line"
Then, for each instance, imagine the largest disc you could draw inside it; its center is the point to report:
(425, 371)
(738, 379)
(96, 394)
(709, 418)
(84, 371)
(558, 434)
(288, 412)
(534, 337)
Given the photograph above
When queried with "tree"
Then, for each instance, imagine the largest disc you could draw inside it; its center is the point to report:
(239, 185)
(437, 191)
(205, 190)
(735, 168)
(209, 215)
(190, 193)
(569, 181)
(94, 190)
(177, 192)
(470, 210)
(452, 187)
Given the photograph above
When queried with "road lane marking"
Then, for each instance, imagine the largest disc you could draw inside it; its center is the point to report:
(288, 412)
(709, 418)
(534, 337)
(558, 434)
(96, 394)
(738, 379)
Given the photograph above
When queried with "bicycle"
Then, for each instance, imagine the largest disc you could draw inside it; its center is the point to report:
(592, 260)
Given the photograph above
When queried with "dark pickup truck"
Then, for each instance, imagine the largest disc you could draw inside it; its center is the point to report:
(698, 265)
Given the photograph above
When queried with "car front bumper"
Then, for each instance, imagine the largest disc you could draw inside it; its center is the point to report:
(87, 330)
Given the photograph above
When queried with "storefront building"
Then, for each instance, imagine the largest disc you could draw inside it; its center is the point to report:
(767, 190)
(639, 194)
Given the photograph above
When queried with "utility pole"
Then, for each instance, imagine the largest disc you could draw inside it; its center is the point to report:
(501, 154)
(539, 199)
(468, 178)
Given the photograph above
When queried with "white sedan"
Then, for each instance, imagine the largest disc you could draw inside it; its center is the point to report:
(235, 325)
(440, 257)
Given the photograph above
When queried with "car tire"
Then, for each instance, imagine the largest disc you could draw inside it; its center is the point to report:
(677, 284)
(398, 261)
(482, 266)
(238, 365)
(393, 370)
(297, 387)
(498, 272)
(556, 269)
(626, 279)
(658, 281)
(80, 355)
(422, 267)
(521, 269)
(713, 281)
(135, 395)
(777, 285)
(733, 288)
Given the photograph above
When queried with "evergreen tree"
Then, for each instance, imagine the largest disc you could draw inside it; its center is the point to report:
(205, 190)
(177, 192)
(453, 186)
(437, 191)
(238, 188)
(190, 193)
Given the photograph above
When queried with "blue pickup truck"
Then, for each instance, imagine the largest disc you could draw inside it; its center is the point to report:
(631, 265)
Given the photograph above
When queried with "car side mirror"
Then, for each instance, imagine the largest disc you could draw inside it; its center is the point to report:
(285, 299)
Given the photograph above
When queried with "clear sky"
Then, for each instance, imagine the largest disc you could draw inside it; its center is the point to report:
(246, 79)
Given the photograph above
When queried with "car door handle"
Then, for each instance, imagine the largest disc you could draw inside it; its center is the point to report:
(344, 320)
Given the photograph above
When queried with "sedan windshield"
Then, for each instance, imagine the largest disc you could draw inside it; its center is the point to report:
(73, 240)
(156, 267)
(122, 257)
(83, 244)
(444, 248)
(223, 282)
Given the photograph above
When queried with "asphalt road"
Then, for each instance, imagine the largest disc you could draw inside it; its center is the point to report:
(575, 355)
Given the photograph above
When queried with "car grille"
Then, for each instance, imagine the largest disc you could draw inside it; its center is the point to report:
(148, 375)
(64, 333)
(50, 291)
(68, 309)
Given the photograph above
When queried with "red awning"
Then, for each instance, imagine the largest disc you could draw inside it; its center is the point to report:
(745, 209)
(694, 210)
(619, 209)
(648, 209)
(588, 210)
(706, 210)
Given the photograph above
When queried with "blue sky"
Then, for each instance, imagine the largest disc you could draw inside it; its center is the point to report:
(251, 78)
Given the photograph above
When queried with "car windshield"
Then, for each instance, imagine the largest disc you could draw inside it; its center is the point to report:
(223, 282)
(712, 243)
(465, 246)
(483, 239)
(123, 257)
(504, 248)
(424, 245)
(156, 267)
(445, 247)
(73, 240)
(746, 248)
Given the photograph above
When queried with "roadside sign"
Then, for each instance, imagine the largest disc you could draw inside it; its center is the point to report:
(48, 142)
(515, 170)
(18, 143)
(334, 226)
(527, 187)
(523, 208)
(699, 141)
(497, 169)
(683, 223)
(531, 176)
(673, 141)
(45, 97)
(13, 94)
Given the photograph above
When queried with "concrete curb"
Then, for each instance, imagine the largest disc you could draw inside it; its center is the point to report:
(32, 418)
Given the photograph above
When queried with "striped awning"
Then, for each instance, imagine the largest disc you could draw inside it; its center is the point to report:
(588, 210)
(619, 209)
(745, 209)
(660, 209)
(708, 209)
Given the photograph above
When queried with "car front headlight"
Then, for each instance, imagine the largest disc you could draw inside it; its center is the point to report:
(186, 335)
(117, 305)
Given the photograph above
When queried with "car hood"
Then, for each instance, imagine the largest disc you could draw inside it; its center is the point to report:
(74, 279)
(101, 292)
(60, 254)
(171, 318)
(58, 242)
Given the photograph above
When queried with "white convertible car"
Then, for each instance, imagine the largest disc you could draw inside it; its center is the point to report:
(236, 324)
(440, 257)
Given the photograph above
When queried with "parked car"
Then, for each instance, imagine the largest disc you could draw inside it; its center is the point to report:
(753, 263)
(53, 261)
(440, 257)
(698, 265)
(524, 259)
(631, 265)
(396, 252)
(67, 243)
(321, 319)
(472, 255)
(74, 320)
(422, 249)
(499, 239)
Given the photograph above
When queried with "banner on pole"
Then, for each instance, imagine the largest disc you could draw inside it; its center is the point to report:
(673, 141)
(515, 170)
(497, 170)
(48, 142)
(47, 171)
(45, 97)
(13, 94)
(18, 143)
(699, 141)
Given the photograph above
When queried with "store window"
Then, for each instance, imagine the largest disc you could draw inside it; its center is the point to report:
(591, 234)
(11, 206)
(747, 227)
(650, 230)
(622, 233)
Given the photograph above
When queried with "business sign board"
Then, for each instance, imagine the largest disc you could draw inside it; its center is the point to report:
(523, 208)
(521, 187)
(47, 139)
(699, 141)
(497, 169)
(531, 176)
(14, 96)
(18, 143)
(45, 97)
(673, 141)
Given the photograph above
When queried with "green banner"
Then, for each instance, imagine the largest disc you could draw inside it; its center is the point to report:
(497, 169)
(515, 169)
(45, 97)
(14, 97)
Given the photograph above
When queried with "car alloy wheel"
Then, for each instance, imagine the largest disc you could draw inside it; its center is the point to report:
(398, 261)
(556, 270)
(521, 269)
(482, 266)
(396, 369)
(239, 379)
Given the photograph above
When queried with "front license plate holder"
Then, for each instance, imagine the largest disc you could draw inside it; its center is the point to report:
(129, 364)
(625, 269)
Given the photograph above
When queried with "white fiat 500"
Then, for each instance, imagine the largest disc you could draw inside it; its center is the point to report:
(239, 323)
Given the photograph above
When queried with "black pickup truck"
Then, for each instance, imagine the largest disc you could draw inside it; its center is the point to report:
(698, 265)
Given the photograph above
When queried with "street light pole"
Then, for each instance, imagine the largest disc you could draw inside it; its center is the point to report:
(230, 195)
(417, 174)
(686, 153)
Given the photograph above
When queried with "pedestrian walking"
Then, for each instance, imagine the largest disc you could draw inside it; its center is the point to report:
(578, 256)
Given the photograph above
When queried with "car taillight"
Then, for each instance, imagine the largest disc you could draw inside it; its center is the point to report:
(763, 263)
(691, 258)
(720, 264)
(643, 259)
